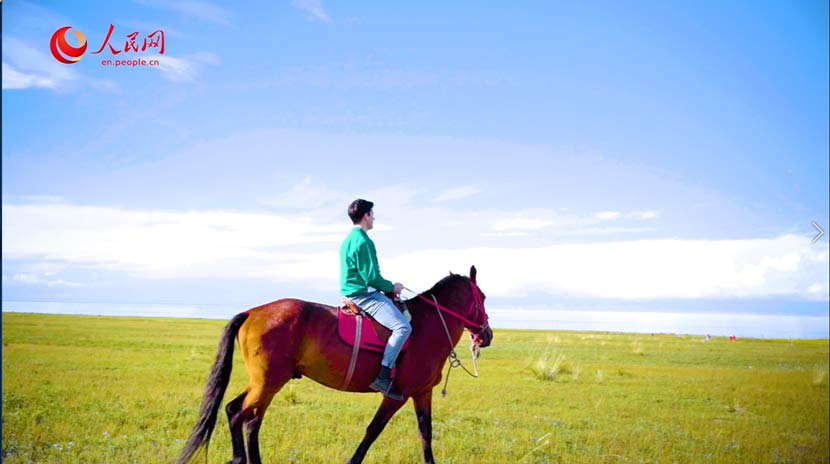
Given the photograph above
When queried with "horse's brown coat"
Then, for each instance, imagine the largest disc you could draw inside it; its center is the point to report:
(291, 337)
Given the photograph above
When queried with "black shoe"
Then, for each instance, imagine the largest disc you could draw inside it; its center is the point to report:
(383, 384)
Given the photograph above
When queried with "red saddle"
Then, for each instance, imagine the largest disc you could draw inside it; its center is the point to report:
(372, 336)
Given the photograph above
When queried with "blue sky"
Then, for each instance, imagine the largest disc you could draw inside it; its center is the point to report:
(658, 156)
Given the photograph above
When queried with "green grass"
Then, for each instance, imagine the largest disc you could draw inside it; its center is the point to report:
(127, 390)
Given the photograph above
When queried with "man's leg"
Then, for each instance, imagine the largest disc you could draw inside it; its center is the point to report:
(390, 317)
(384, 311)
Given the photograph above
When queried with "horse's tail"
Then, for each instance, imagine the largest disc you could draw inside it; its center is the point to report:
(217, 383)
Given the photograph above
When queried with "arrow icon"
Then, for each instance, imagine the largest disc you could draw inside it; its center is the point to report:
(820, 233)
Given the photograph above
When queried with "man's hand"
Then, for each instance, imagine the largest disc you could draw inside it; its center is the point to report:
(398, 289)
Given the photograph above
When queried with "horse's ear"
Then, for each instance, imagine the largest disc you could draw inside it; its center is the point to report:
(473, 273)
(451, 273)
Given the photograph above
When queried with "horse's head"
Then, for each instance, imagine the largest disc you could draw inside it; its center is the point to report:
(463, 295)
(483, 334)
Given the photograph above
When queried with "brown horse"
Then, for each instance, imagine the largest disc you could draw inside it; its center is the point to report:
(291, 338)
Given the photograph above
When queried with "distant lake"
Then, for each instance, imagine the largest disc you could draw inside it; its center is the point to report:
(701, 323)
(698, 323)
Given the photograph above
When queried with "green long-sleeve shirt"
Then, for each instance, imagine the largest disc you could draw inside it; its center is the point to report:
(359, 265)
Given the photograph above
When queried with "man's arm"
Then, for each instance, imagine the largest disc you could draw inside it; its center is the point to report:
(367, 266)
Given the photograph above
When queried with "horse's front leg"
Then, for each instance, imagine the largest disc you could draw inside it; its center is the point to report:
(387, 409)
(423, 411)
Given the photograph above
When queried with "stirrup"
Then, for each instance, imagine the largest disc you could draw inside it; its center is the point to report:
(388, 392)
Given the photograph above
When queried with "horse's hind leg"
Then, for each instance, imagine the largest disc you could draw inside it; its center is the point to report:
(235, 421)
(247, 410)
(257, 403)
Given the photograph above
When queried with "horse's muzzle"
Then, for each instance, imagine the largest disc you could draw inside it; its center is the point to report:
(485, 337)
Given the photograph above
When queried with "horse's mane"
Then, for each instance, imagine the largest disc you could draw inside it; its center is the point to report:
(442, 284)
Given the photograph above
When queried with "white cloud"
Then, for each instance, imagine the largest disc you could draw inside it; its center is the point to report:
(568, 224)
(31, 67)
(45, 268)
(631, 270)
(205, 58)
(456, 194)
(27, 67)
(14, 79)
(300, 248)
(596, 231)
(308, 194)
(521, 224)
(538, 219)
(607, 215)
(167, 244)
(644, 215)
(817, 289)
(314, 8)
(37, 279)
(185, 69)
(43, 273)
(503, 234)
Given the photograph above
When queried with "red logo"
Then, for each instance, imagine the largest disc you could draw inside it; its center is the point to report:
(153, 40)
(68, 54)
(61, 49)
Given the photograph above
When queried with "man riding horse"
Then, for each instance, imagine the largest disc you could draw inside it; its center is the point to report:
(292, 338)
(362, 283)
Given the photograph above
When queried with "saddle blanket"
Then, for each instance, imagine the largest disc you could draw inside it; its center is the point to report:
(369, 338)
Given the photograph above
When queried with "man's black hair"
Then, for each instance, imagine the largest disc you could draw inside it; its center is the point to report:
(358, 208)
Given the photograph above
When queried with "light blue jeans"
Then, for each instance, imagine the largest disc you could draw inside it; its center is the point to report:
(381, 308)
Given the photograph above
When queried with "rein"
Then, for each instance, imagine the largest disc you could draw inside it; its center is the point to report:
(451, 312)
(453, 358)
(454, 361)
(477, 304)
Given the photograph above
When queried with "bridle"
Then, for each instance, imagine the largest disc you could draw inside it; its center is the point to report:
(476, 310)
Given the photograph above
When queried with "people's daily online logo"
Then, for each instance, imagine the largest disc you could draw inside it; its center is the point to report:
(67, 53)
(61, 49)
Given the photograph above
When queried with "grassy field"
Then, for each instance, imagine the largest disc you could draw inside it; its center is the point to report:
(127, 390)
